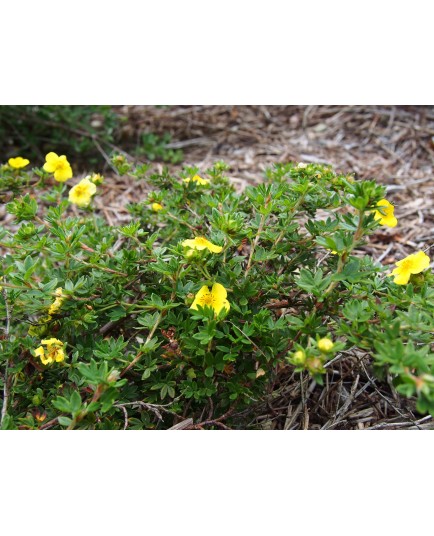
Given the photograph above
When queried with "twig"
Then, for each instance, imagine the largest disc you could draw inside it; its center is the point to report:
(49, 424)
(335, 420)
(155, 408)
(183, 425)
(149, 337)
(291, 417)
(255, 243)
(103, 268)
(217, 421)
(384, 254)
(124, 409)
(105, 155)
(6, 375)
(372, 382)
(414, 424)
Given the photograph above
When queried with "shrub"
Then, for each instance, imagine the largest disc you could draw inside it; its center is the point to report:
(203, 300)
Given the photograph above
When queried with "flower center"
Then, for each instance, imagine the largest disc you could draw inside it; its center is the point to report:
(201, 241)
(407, 265)
(81, 191)
(207, 299)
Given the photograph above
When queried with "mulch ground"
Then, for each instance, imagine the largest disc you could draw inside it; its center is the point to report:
(392, 144)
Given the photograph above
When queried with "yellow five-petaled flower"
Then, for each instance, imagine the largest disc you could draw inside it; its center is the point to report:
(156, 207)
(18, 162)
(201, 243)
(215, 298)
(81, 193)
(53, 351)
(412, 264)
(58, 165)
(198, 179)
(386, 216)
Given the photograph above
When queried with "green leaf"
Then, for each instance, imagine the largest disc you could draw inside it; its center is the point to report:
(209, 372)
(75, 402)
(62, 404)
(64, 421)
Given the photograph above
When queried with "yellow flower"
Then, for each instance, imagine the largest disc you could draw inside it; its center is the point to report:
(202, 243)
(197, 179)
(325, 344)
(81, 193)
(53, 352)
(216, 298)
(156, 207)
(18, 162)
(412, 264)
(58, 165)
(385, 217)
(55, 306)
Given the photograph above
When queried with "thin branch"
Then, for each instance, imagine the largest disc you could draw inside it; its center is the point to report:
(6, 375)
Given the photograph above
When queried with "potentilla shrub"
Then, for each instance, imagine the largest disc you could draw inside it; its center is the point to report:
(196, 307)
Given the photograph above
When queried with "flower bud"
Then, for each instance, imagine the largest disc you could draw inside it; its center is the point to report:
(314, 365)
(298, 358)
(113, 376)
(325, 345)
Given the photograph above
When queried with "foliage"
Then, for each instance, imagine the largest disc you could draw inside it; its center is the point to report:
(155, 147)
(287, 290)
(82, 132)
(72, 130)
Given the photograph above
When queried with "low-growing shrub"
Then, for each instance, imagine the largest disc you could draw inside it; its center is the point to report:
(203, 301)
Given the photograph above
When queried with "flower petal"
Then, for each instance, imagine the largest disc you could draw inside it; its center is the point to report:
(63, 174)
(189, 243)
(60, 355)
(390, 221)
(39, 351)
(385, 215)
(421, 261)
(51, 157)
(202, 292)
(50, 167)
(219, 292)
(401, 278)
(51, 341)
(215, 249)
